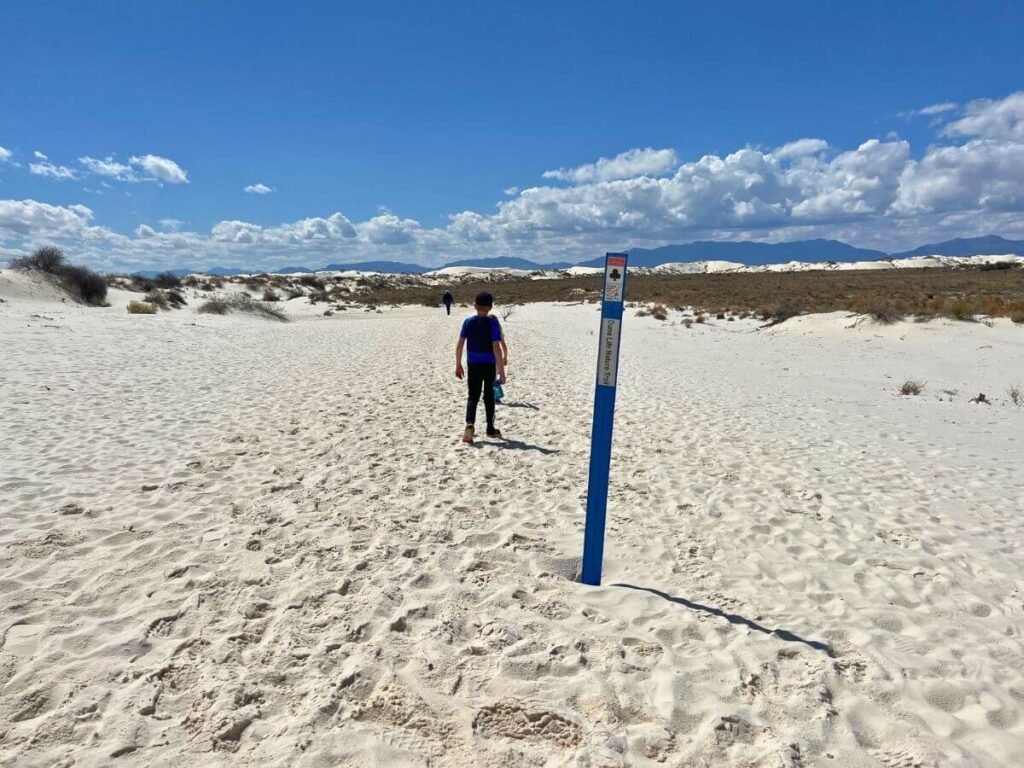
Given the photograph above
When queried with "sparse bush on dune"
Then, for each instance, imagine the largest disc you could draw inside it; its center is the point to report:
(1016, 395)
(157, 299)
(215, 306)
(241, 303)
(294, 293)
(81, 282)
(167, 280)
(175, 298)
(141, 308)
(912, 387)
(657, 311)
(269, 294)
(89, 286)
(779, 314)
(45, 259)
(885, 314)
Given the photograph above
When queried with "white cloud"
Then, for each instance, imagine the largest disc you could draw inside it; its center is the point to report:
(172, 225)
(980, 175)
(5, 155)
(801, 148)
(109, 167)
(510, 191)
(138, 168)
(39, 155)
(258, 189)
(29, 217)
(1001, 119)
(938, 109)
(161, 169)
(875, 194)
(627, 165)
(60, 172)
(388, 229)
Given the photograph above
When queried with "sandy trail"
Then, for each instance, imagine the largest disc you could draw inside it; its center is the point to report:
(230, 541)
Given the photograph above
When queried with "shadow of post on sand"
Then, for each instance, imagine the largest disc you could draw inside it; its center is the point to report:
(734, 618)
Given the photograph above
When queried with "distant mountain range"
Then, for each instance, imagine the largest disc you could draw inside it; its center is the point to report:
(748, 253)
(967, 246)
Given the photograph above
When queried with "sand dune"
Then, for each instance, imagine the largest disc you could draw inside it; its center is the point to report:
(225, 540)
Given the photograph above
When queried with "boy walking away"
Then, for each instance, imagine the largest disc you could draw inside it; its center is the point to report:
(448, 300)
(485, 363)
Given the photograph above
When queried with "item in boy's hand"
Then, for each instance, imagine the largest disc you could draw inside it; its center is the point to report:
(498, 391)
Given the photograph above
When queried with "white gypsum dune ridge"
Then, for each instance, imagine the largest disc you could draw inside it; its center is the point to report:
(226, 540)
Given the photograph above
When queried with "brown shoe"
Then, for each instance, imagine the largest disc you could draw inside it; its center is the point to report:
(467, 436)
(495, 433)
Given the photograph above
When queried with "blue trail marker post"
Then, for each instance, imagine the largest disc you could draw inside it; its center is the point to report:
(604, 414)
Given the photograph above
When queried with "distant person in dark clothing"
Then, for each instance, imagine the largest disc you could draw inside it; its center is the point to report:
(448, 300)
(485, 361)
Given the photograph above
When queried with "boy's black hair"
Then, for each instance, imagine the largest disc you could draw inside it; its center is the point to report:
(484, 300)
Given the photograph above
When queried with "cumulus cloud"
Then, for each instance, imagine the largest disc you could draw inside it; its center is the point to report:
(1001, 119)
(29, 217)
(875, 194)
(172, 225)
(161, 169)
(59, 172)
(109, 167)
(39, 155)
(138, 168)
(627, 165)
(800, 148)
(388, 229)
(258, 189)
(5, 155)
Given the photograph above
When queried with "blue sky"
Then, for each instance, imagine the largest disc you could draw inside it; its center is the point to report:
(423, 132)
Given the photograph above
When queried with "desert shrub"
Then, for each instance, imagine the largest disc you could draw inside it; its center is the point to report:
(507, 312)
(312, 281)
(269, 294)
(44, 259)
(701, 319)
(1016, 395)
(886, 314)
(141, 308)
(175, 298)
(912, 387)
(294, 293)
(89, 286)
(657, 311)
(215, 306)
(962, 309)
(317, 296)
(780, 314)
(157, 299)
(1018, 318)
(242, 303)
(328, 313)
(167, 280)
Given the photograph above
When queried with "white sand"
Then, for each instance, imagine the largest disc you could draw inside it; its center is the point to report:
(230, 541)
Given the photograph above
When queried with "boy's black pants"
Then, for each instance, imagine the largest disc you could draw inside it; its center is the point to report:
(480, 375)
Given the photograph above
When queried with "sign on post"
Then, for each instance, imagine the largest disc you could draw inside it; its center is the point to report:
(604, 413)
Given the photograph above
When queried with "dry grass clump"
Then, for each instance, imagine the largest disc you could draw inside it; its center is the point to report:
(884, 314)
(912, 387)
(962, 309)
(141, 308)
(1016, 395)
(657, 311)
(269, 294)
(241, 303)
(157, 299)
